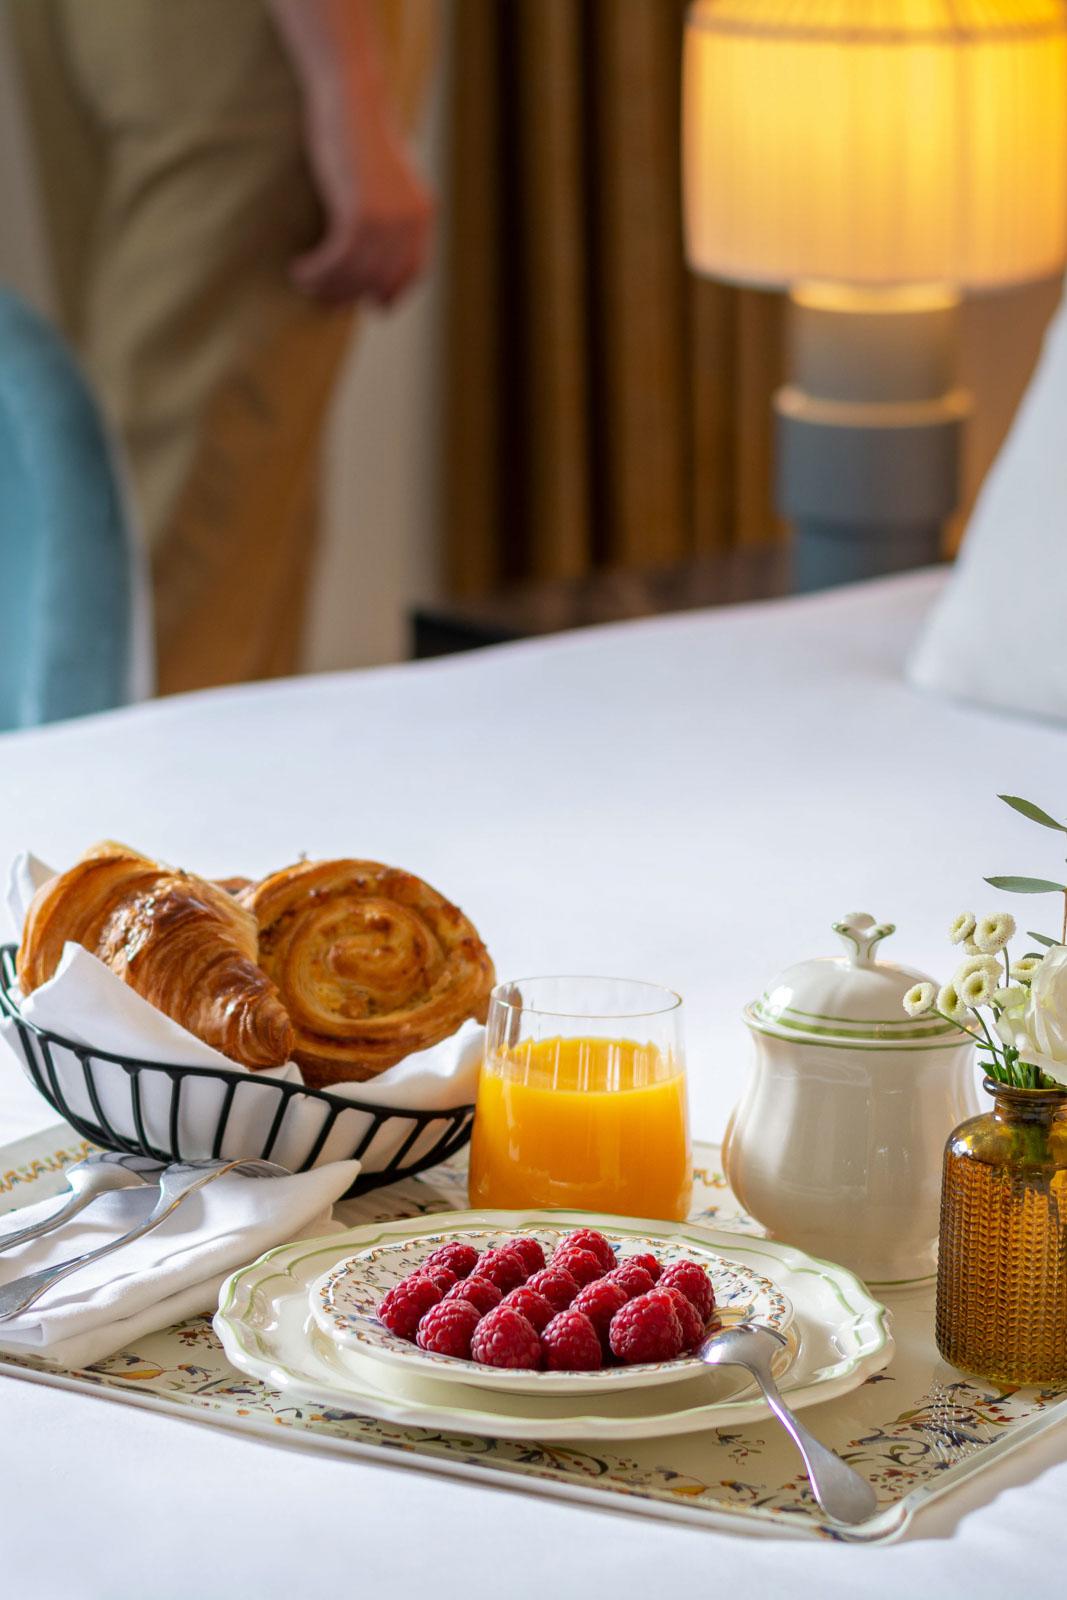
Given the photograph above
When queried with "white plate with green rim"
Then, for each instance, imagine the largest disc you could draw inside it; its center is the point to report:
(839, 1337)
(344, 1303)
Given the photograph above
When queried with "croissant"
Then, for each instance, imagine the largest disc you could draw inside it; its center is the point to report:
(371, 963)
(186, 945)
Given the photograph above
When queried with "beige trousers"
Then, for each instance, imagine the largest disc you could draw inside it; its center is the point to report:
(176, 195)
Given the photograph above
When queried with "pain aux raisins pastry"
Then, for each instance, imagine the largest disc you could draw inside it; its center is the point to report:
(371, 964)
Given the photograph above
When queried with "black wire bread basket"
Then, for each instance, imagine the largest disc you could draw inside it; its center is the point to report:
(194, 1113)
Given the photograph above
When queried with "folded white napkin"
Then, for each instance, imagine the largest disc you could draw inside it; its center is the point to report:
(89, 1004)
(174, 1272)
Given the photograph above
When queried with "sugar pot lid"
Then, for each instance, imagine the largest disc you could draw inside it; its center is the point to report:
(850, 1000)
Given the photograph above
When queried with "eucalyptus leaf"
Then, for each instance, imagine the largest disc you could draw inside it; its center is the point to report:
(1028, 885)
(1043, 938)
(1026, 808)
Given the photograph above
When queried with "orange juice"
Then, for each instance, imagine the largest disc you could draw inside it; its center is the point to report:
(588, 1124)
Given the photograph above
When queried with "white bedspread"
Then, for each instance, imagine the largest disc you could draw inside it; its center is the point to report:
(692, 800)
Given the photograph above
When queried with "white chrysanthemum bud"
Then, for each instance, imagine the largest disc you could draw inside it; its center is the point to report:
(950, 1004)
(976, 989)
(1025, 967)
(992, 933)
(988, 965)
(920, 999)
(1010, 997)
(962, 928)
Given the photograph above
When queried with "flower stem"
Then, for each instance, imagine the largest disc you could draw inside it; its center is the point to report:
(1000, 1057)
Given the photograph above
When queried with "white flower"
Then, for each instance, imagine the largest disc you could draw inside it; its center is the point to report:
(962, 928)
(1046, 1013)
(950, 1005)
(992, 933)
(1038, 1028)
(988, 965)
(1007, 1028)
(1025, 967)
(920, 998)
(1013, 1000)
(976, 989)
(971, 948)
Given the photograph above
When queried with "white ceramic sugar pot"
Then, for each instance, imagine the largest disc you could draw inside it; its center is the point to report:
(836, 1145)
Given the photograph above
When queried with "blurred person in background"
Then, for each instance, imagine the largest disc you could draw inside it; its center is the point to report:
(223, 181)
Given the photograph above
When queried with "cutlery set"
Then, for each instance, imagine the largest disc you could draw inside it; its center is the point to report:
(97, 1175)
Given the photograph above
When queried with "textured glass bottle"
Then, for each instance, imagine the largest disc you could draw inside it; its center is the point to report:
(1002, 1268)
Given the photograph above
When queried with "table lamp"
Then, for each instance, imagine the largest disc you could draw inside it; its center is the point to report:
(876, 158)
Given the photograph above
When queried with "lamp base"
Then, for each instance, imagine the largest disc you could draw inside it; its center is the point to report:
(869, 431)
(829, 553)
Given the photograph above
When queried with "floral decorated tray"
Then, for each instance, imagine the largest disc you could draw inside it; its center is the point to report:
(915, 1430)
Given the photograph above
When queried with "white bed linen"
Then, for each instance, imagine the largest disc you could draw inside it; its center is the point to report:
(692, 800)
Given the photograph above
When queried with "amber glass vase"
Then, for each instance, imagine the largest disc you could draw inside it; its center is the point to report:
(1002, 1267)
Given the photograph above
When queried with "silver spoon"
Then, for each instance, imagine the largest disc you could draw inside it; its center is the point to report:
(842, 1493)
(176, 1183)
(96, 1175)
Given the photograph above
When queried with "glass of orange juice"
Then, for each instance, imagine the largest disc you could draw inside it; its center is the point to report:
(582, 1100)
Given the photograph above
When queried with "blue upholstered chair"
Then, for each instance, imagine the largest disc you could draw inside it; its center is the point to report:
(73, 623)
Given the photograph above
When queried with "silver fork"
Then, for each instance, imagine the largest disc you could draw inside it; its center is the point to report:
(176, 1183)
(88, 1179)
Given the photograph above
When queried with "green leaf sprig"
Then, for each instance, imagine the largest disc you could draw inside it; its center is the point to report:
(1016, 885)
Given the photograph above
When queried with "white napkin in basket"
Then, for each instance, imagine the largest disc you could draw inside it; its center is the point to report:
(89, 1004)
(174, 1272)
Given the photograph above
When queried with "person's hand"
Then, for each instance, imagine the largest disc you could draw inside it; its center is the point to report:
(379, 212)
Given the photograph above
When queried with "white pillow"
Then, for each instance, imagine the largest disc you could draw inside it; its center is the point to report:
(998, 634)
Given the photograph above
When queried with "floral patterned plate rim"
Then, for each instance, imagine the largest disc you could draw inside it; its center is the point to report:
(345, 1300)
(840, 1335)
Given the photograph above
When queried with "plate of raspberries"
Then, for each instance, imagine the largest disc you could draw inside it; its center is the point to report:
(540, 1309)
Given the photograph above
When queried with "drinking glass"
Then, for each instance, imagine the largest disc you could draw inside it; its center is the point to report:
(582, 1100)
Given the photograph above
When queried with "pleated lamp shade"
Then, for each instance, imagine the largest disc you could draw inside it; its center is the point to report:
(876, 142)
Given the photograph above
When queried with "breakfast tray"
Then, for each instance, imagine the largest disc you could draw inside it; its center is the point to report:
(914, 1431)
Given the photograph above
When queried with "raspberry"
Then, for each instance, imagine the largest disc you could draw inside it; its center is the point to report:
(582, 1265)
(571, 1344)
(649, 1262)
(688, 1317)
(478, 1292)
(599, 1301)
(694, 1284)
(595, 1243)
(504, 1338)
(458, 1258)
(444, 1277)
(406, 1303)
(534, 1307)
(557, 1286)
(533, 1257)
(447, 1327)
(634, 1279)
(504, 1267)
(646, 1329)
